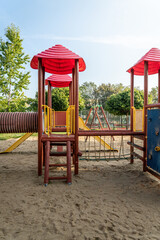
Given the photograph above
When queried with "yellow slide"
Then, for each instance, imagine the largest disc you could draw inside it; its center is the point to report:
(83, 126)
(17, 143)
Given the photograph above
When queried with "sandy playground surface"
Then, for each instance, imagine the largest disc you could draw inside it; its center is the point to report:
(107, 200)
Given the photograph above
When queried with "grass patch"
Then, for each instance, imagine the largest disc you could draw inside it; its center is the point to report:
(5, 136)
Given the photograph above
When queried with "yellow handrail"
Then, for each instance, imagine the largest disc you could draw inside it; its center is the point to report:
(49, 122)
(70, 120)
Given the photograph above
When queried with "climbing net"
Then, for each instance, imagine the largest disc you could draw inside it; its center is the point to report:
(115, 148)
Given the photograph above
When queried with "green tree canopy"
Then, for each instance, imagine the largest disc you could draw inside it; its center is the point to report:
(60, 100)
(14, 78)
(88, 91)
(119, 104)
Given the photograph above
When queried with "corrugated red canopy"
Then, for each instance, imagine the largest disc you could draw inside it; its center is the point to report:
(58, 60)
(57, 80)
(153, 58)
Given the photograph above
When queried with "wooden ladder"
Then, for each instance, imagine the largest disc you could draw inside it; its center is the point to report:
(47, 164)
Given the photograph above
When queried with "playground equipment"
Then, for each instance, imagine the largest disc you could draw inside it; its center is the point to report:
(61, 61)
(95, 110)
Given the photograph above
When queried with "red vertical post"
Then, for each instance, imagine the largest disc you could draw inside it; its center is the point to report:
(145, 113)
(49, 95)
(71, 93)
(159, 86)
(76, 81)
(131, 113)
(46, 172)
(88, 116)
(69, 177)
(40, 95)
(43, 86)
(73, 86)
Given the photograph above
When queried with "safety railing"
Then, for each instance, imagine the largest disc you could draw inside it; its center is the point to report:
(138, 119)
(48, 119)
(70, 120)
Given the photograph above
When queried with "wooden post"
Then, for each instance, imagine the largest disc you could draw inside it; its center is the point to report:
(43, 86)
(69, 177)
(76, 101)
(88, 116)
(71, 93)
(145, 113)
(131, 113)
(159, 86)
(73, 86)
(49, 95)
(46, 172)
(40, 95)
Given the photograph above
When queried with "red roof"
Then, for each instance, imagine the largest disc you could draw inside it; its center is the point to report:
(58, 59)
(153, 58)
(57, 80)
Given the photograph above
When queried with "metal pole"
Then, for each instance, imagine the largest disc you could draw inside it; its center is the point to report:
(145, 112)
(76, 82)
(131, 114)
(40, 95)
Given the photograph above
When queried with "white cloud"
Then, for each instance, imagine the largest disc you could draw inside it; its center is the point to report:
(122, 40)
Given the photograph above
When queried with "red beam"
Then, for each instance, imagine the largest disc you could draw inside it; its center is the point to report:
(108, 133)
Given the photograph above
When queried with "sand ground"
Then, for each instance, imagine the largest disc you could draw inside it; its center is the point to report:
(107, 200)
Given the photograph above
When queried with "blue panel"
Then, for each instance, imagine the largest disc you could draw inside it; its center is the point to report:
(153, 139)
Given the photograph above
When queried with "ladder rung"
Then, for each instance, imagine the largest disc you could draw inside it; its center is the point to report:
(57, 178)
(57, 165)
(136, 146)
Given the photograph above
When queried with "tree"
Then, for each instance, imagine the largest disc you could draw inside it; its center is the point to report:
(88, 91)
(13, 77)
(154, 94)
(60, 100)
(119, 104)
(104, 91)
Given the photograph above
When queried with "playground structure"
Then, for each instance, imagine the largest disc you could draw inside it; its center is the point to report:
(66, 128)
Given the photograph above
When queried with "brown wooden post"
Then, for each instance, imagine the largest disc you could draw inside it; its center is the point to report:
(88, 116)
(43, 86)
(40, 96)
(131, 114)
(145, 112)
(73, 86)
(69, 177)
(76, 97)
(46, 172)
(49, 95)
(71, 93)
(159, 86)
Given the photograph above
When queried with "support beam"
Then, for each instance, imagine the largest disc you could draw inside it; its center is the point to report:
(49, 95)
(76, 97)
(40, 96)
(131, 114)
(145, 113)
(43, 86)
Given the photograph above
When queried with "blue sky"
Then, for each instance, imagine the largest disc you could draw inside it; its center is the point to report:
(111, 36)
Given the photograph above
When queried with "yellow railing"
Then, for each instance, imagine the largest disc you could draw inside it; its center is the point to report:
(138, 119)
(48, 119)
(70, 119)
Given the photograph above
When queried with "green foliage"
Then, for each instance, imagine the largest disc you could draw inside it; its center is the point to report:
(60, 100)
(88, 92)
(119, 104)
(13, 77)
(154, 94)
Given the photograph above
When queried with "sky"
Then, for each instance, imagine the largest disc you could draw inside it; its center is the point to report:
(110, 35)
